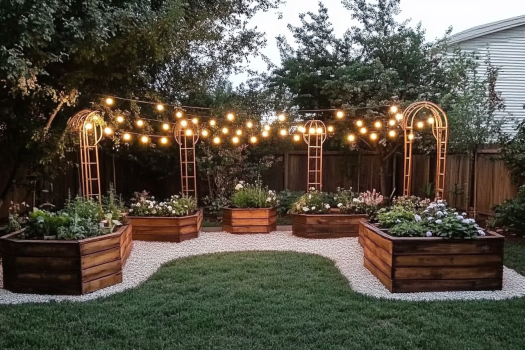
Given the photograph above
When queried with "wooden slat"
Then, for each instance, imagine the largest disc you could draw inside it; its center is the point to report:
(249, 229)
(100, 257)
(45, 248)
(42, 276)
(100, 283)
(102, 270)
(164, 238)
(165, 230)
(47, 263)
(335, 228)
(387, 282)
(261, 213)
(412, 286)
(447, 273)
(382, 242)
(440, 246)
(382, 254)
(319, 219)
(378, 263)
(448, 260)
(100, 244)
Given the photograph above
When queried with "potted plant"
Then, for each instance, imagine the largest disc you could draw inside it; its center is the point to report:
(254, 210)
(174, 220)
(71, 251)
(313, 218)
(418, 246)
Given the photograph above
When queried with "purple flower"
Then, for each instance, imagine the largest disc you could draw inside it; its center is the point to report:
(429, 234)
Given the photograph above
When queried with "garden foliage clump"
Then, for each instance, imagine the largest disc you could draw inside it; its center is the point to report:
(253, 196)
(175, 206)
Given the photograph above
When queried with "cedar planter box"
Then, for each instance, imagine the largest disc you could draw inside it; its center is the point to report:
(241, 221)
(166, 229)
(433, 264)
(64, 267)
(326, 225)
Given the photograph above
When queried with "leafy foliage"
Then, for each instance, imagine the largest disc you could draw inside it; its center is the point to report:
(175, 206)
(313, 202)
(253, 196)
(286, 200)
(512, 152)
(389, 218)
(408, 229)
(510, 215)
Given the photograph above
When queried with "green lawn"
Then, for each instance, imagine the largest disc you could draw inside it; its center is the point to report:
(262, 301)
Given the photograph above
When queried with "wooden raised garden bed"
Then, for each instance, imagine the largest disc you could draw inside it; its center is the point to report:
(326, 225)
(432, 264)
(166, 229)
(64, 267)
(242, 221)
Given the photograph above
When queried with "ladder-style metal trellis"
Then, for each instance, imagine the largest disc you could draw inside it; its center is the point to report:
(187, 134)
(89, 126)
(315, 135)
(439, 122)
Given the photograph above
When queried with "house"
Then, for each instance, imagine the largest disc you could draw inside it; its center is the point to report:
(505, 42)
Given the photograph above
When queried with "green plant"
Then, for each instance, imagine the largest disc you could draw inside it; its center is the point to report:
(455, 226)
(175, 206)
(344, 200)
(253, 196)
(313, 202)
(285, 201)
(214, 205)
(368, 203)
(510, 215)
(16, 222)
(113, 204)
(45, 223)
(86, 208)
(389, 218)
(409, 229)
(411, 203)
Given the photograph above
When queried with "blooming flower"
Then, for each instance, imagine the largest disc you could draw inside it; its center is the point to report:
(238, 187)
(439, 214)
(339, 205)
(327, 206)
(429, 234)
(459, 217)
(313, 208)
(305, 209)
(439, 222)
(417, 218)
(466, 221)
(430, 218)
(464, 214)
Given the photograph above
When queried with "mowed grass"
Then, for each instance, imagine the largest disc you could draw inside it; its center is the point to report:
(262, 300)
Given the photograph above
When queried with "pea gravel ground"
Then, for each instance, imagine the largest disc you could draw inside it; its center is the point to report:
(147, 257)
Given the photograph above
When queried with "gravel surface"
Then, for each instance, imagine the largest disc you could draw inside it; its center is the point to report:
(346, 253)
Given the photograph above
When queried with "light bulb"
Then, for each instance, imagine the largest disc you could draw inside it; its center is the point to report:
(216, 140)
(108, 131)
(311, 131)
(178, 114)
(281, 117)
(249, 125)
(420, 125)
(230, 116)
(184, 123)
(301, 128)
(195, 121)
(253, 139)
(296, 137)
(165, 126)
(160, 107)
(89, 126)
(265, 133)
(239, 132)
(144, 139)
(392, 133)
(340, 114)
(95, 117)
(224, 130)
(213, 122)
(140, 123)
(283, 132)
(363, 130)
(267, 127)
(127, 137)
(410, 136)
(373, 136)
(235, 139)
(189, 132)
(164, 140)
(120, 119)
(377, 124)
(351, 138)
(359, 123)
(205, 133)
(391, 122)
(430, 120)
(393, 109)
(330, 129)
(109, 101)
(319, 130)
(399, 116)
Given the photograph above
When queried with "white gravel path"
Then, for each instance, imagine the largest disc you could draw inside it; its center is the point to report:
(346, 253)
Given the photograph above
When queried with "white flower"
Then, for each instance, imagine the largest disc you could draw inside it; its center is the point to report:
(456, 213)
(471, 221)
(241, 182)
(238, 187)
(313, 208)
(464, 214)
(305, 209)
(268, 199)
(459, 217)
(173, 211)
(440, 201)
(439, 214)
(481, 232)
(298, 206)
(131, 210)
(355, 200)
(398, 221)
(327, 206)
(417, 218)
(465, 221)
(430, 218)
(152, 197)
(309, 196)
(429, 234)
(439, 222)
(340, 205)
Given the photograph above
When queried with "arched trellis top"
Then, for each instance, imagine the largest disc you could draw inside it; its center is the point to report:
(438, 119)
(89, 125)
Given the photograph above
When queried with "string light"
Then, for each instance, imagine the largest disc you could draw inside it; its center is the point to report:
(330, 129)
(363, 130)
(351, 138)
(120, 119)
(249, 125)
(393, 109)
(230, 116)
(89, 126)
(213, 122)
(127, 137)
(391, 122)
(195, 121)
(399, 116)
(410, 136)
(301, 128)
(359, 123)
(373, 136)
(340, 114)
(235, 139)
(108, 131)
(216, 140)
(311, 131)
(160, 107)
(189, 132)
(109, 101)
(431, 120)
(178, 114)
(253, 139)
(267, 127)
(319, 130)
(296, 137)
(283, 132)
(239, 132)
(144, 139)
(205, 133)
(225, 130)
(281, 117)
(420, 125)
(95, 117)
(140, 123)
(377, 124)
(164, 140)
(265, 133)
(165, 126)
(392, 133)
(184, 123)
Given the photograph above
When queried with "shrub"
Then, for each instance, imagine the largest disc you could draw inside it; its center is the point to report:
(113, 204)
(389, 218)
(16, 221)
(408, 229)
(285, 201)
(411, 203)
(175, 206)
(313, 202)
(510, 215)
(253, 196)
(368, 203)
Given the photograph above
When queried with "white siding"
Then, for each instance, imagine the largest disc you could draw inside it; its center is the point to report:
(507, 51)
